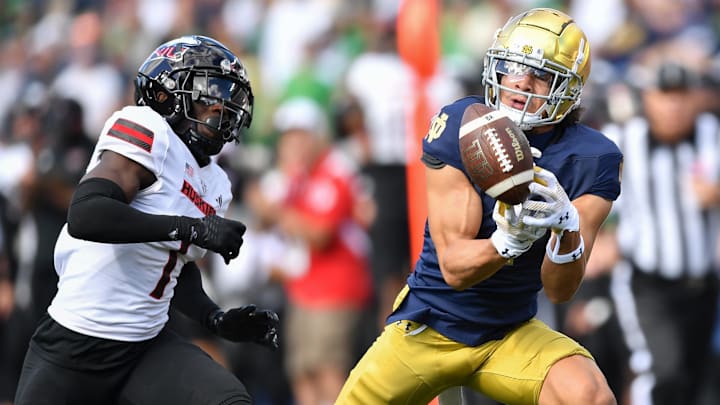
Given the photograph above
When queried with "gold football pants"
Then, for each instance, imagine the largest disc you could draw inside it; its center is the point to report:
(411, 364)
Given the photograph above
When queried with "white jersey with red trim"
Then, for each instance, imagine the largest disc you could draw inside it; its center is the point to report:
(123, 291)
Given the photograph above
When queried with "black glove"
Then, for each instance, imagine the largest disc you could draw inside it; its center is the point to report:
(246, 324)
(220, 235)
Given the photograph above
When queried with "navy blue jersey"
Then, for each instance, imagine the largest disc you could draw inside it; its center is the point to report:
(584, 162)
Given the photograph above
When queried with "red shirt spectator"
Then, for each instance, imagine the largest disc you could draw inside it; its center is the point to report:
(338, 273)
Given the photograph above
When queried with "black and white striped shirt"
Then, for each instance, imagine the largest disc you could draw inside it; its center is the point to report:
(662, 228)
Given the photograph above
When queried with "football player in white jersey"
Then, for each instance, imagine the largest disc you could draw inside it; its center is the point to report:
(150, 204)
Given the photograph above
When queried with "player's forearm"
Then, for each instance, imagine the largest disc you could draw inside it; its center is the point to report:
(99, 213)
(190, 298)
(465, 263)
(561, 281)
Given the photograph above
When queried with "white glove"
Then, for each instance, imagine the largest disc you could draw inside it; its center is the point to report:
(548, 205)
(512, 238)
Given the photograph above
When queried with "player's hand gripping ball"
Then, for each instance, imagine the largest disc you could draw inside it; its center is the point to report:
(496, 154)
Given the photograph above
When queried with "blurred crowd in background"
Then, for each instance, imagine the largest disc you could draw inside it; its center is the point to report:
(330, 91)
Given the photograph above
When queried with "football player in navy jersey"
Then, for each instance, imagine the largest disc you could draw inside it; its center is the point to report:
(150, 205)
(467, 314)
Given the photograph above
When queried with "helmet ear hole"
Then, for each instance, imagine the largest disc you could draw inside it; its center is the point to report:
(155, 95)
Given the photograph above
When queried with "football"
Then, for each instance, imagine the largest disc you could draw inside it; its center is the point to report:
(496, 154)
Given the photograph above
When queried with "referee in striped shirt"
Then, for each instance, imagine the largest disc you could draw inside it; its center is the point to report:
(666, 287)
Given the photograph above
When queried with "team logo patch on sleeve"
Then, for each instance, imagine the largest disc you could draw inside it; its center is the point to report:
(133, 133)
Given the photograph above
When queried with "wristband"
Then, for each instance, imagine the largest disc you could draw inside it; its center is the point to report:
(554, 255)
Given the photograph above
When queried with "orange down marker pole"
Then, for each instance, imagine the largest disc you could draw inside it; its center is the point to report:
(418, 41)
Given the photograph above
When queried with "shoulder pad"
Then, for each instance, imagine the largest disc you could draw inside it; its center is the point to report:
(138, 126)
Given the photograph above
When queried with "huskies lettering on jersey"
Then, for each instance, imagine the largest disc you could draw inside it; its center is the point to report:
(193, 195)
(132, 133)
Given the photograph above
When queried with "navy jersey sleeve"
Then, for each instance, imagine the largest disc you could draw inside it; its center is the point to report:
(585, 162)
(440, 144)
(607, 176)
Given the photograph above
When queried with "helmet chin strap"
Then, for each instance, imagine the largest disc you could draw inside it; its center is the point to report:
(213, 122)
(214, 145)
(200, 146)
